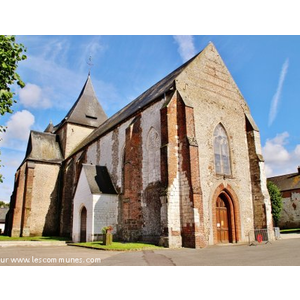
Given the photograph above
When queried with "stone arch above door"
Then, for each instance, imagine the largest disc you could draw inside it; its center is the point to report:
(234, 222)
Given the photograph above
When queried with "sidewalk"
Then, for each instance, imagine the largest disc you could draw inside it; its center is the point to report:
(285, 236)
(4, 244)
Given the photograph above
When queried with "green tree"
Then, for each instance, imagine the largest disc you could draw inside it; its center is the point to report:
(276, 201)
(10, 55)
(3, 204)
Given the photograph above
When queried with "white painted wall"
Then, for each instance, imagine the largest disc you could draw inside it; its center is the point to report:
(105, 212)
(102, 210)
(83, 197)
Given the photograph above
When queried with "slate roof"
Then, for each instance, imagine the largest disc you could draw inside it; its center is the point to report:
(86, 110)
(98, 179)
(141, 101)
(44, 146)
(287, 182)
(3, 212)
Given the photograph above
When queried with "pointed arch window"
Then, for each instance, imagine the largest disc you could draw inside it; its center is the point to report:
(221, 151)
(153, 159)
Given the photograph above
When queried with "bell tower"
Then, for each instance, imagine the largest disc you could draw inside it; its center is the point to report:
(85, 115)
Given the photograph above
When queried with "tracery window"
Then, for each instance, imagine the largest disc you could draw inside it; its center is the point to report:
(221, 151)
(153, 149)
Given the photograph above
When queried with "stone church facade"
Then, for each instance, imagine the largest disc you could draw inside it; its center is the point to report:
(181, 165)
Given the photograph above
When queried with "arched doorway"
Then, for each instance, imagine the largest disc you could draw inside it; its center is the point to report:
(224, 234)
(83, 217)
(225, 215)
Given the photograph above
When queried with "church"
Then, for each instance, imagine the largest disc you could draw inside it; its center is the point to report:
(180, 166)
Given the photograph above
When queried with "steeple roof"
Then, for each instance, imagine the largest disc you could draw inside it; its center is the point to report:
(87, 110)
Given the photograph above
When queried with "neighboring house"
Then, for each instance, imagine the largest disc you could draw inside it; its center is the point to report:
(181, 165)
(289, 185)
(3, 212)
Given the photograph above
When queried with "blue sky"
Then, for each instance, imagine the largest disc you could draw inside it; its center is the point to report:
(265, 68)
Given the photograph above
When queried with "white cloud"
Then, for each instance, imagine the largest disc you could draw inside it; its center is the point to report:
(278, 159)
(274, 149)
(18, 128)
(276, 97)
(33, 96)
(186, 46)
(64, 85)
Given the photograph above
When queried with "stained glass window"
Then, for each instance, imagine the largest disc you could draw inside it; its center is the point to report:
(221, 151)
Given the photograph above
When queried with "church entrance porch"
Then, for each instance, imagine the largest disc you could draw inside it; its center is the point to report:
(225, 212)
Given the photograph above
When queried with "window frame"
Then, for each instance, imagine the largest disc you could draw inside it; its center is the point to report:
(221, 171)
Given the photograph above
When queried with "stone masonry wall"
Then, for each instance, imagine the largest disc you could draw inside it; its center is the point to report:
(16, 205)
(206, 85)
(290, 214)
(45, 203)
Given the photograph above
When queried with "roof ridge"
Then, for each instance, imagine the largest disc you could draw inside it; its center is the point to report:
(147, 97)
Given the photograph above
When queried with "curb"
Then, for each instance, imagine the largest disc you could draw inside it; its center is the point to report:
(31, 243)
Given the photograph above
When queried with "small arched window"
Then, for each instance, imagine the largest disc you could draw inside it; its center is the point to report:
(221, 151)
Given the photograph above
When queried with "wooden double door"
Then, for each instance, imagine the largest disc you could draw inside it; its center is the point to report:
(223, 221)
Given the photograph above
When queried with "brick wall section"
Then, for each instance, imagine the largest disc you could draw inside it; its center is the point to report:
(170, 219)
(182, 204)
(16, 206)
(132, 219)
(25, 224)
(192, 206)
(71, 173)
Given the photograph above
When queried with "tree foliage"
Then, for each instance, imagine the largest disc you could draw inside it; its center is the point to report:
(276, 201)
(3, 204)
(10, 55)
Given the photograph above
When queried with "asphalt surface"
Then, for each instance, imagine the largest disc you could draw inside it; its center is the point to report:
(283, 252)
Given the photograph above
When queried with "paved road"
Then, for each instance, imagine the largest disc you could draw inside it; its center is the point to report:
(284, 252)
(51, 256)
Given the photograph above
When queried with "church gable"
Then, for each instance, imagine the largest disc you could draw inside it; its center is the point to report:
(207, 77)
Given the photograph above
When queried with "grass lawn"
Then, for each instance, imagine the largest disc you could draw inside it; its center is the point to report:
(293, 230)
(116, 246)
(33, 238)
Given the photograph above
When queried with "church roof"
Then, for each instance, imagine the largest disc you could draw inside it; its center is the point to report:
(87, 110)
(287, 182)
(150, 95)
(44, 147)
(98, 179)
